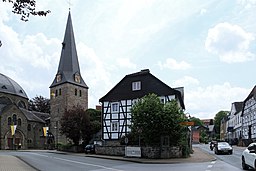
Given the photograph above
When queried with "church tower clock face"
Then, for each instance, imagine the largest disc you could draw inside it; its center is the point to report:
(68, 88)
(58, 78)
(77, 78)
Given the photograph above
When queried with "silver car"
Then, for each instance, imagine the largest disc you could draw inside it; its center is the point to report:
(249, 157)
(223, 148)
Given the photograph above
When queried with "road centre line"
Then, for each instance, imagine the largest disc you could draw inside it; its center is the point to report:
(209, 166)
(72, 161)
(89, 164)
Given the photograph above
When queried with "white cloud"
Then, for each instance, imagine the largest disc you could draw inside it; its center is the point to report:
(94, 73)
(186, 81)
(247, 3)
(125, 63)
(230, 42)
(40, 51)
(208, 101)
(203, 11)
(171, 63)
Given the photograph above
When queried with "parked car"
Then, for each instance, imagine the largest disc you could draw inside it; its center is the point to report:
(223, 148)
(249, 157)
(90, 148)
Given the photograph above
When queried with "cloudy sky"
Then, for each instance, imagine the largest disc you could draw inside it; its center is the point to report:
(207, 47)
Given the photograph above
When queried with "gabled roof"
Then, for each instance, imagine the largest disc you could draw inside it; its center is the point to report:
(149, 84)
(31, 116)
(211, 128)
(252, 94)
(194, 128)
(238, 106)
(41, 115)
(69, 65)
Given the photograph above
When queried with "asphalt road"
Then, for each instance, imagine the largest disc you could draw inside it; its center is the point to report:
(234, 159)
(46, 161)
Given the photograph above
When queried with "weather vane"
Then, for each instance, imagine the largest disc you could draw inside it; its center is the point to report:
(69, 4)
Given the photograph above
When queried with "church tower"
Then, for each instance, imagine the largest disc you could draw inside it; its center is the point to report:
(68, 88)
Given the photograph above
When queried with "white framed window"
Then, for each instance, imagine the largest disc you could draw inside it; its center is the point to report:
(162, 99)
(114, 107)
(136, 86)
(114, 126)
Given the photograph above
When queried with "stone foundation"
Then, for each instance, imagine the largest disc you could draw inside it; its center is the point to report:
(146, 152)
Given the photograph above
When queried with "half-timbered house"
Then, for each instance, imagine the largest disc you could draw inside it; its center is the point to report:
(249, 118)
(117, 103)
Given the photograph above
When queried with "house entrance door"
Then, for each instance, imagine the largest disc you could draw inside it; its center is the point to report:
(10, 143)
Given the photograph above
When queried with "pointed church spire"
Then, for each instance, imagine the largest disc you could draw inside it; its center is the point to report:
(68, 70)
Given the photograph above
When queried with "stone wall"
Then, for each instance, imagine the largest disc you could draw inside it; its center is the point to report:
(146, 152)
(161, 153)
(63, 97)
(110, 150)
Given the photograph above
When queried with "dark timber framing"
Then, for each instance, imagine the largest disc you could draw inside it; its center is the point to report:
(117, 103)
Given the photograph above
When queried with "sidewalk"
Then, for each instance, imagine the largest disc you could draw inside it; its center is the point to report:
(12, 163)
(198, 156)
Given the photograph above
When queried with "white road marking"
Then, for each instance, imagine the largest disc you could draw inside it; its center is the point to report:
(77, 162)
(89, 164)
(210, 165)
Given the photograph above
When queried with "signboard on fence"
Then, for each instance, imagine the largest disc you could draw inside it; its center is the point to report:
(132, 152)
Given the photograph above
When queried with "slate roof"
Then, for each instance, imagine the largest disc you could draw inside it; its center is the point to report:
(238, 106)
(7, 85)
(194, 128)
(252, 94)
(43, 116)
(69, 65)
(149, 84)
(31, 116)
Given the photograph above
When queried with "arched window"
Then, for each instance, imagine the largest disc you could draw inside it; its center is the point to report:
(14, 118)
(19, 122)
(75, 92)
(60, 91)
(56, 93)
(29, 127)
(80, 93)
(9, 120)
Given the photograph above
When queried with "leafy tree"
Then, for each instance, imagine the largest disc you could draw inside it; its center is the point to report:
(197, 121)
(39, 104)
(203, 136)
(153, 120)
(217, 119)
(95, 124)
(25, 8)
(75, 125)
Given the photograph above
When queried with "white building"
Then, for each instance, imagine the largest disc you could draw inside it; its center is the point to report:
(249, 118)
(117, 103)
(234, 123)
